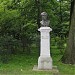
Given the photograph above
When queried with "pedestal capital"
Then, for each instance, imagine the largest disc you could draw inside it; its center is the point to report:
(44, 29)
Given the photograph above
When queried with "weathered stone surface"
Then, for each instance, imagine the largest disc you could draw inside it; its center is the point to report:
(45, 60)
(44, 63)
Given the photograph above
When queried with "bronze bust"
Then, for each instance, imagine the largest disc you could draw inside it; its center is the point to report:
(44, 22)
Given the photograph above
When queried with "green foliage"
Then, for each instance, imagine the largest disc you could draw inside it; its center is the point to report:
(7, 47)
(19, 19)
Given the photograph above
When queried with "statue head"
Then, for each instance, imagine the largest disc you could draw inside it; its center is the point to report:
(44, 16)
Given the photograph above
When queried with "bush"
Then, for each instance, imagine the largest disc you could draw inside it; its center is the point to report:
(7, 47)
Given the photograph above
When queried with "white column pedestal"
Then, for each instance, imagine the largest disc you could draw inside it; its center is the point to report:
(45, 60)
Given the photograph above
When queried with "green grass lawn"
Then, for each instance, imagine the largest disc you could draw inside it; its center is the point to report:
(22, 64)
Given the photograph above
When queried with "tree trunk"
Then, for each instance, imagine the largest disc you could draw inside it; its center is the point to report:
(69, 56)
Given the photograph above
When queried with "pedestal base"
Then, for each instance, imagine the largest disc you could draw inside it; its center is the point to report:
(44, 63)
(54, 70)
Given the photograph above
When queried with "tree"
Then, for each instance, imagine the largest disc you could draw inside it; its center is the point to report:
(17, 19)
(69, 56)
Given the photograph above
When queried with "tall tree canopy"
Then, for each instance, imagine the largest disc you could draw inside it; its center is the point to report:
(20, 20)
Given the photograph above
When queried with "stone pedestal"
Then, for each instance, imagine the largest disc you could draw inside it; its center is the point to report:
(45, 60)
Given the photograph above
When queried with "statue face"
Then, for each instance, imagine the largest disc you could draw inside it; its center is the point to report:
(44, 17)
